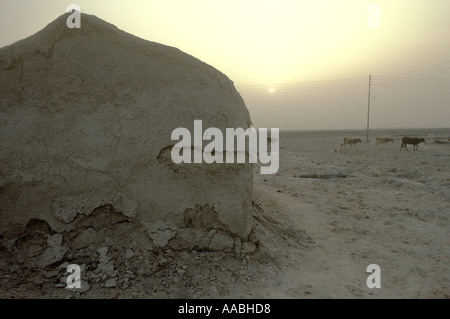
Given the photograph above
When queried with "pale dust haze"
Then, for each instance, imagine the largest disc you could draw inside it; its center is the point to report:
(299, 65)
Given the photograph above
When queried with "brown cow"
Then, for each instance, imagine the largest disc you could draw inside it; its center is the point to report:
(411, 140)
(351, 142)
(382, 140)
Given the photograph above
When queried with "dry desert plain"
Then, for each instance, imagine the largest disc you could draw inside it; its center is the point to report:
(319, 222)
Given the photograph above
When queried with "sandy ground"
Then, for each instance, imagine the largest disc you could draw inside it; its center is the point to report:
(319, 222)
(372, 205)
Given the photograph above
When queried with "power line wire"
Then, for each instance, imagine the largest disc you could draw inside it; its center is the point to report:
(431, 77)
(419, 69)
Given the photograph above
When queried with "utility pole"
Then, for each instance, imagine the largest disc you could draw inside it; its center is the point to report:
(368, 110)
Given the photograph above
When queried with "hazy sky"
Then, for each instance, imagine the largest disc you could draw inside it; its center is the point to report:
(297, 64)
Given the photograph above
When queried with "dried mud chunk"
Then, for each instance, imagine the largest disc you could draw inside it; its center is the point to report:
(85, 239)
(86, 129)
(161, 232)
(67, 208)
(221, 241)
(55, 252)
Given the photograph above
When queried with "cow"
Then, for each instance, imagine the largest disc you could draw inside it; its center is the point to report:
(411, 140)
(382, 140)
(351, 142)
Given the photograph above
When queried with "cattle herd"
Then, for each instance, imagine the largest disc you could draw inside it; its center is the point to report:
(414, 141)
